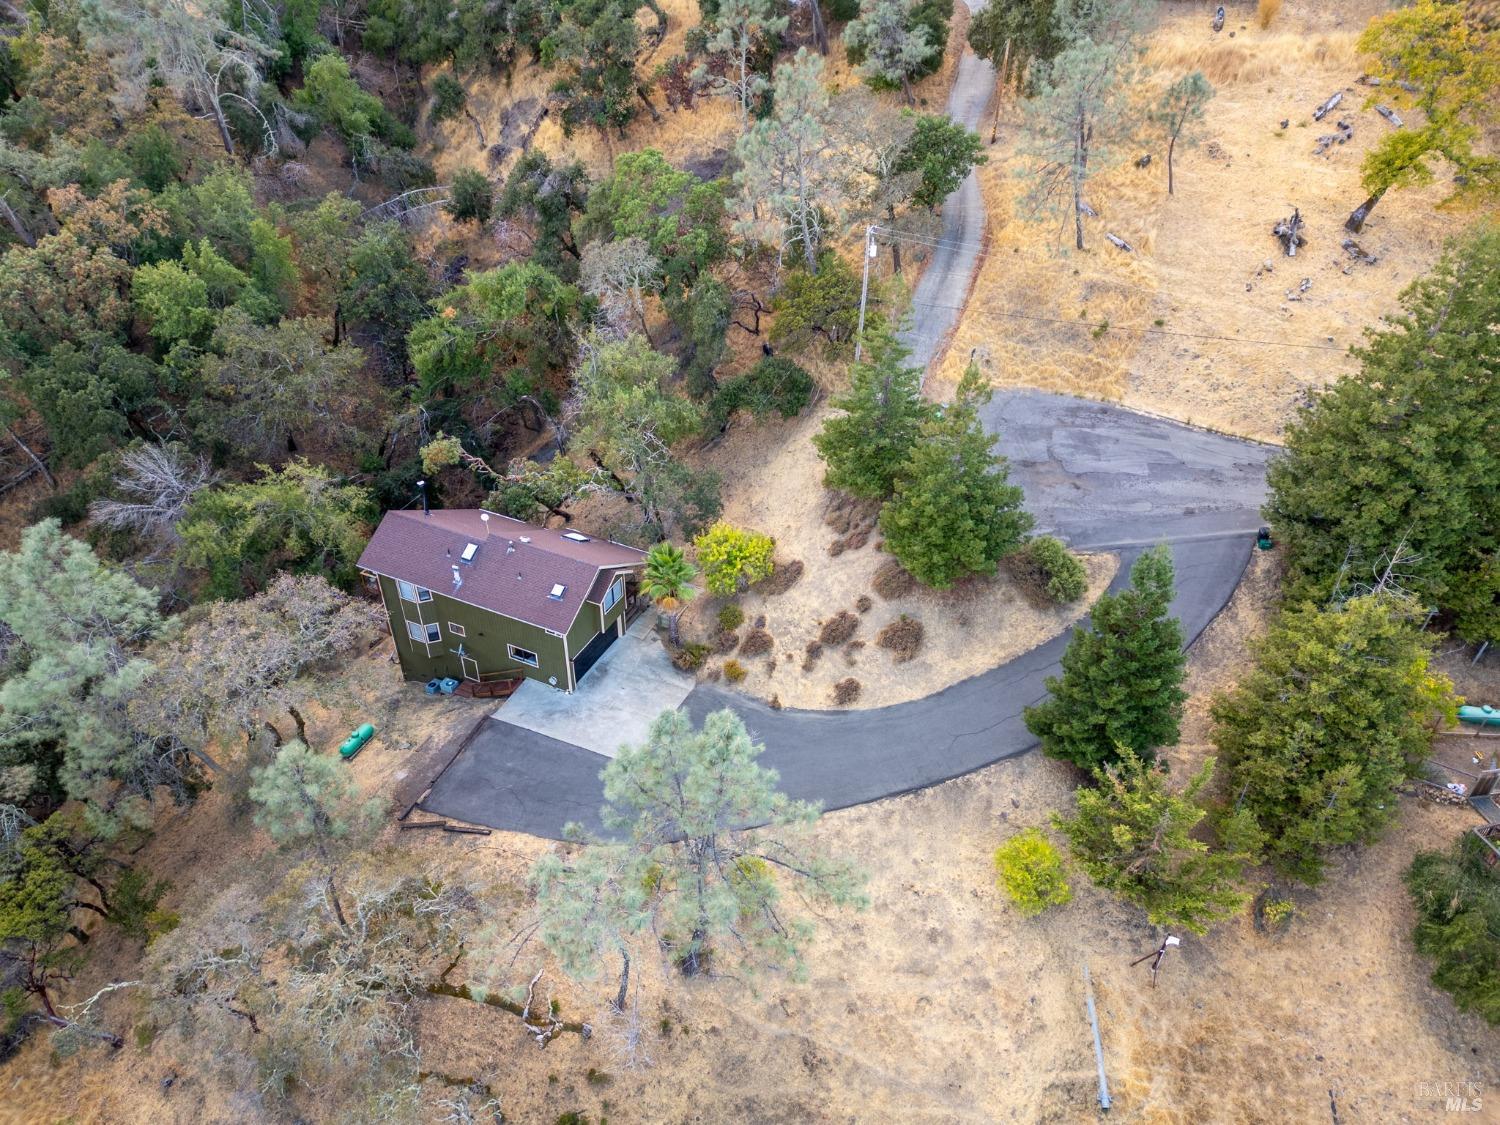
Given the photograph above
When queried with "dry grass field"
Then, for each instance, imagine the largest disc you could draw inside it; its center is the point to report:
(1198, 268)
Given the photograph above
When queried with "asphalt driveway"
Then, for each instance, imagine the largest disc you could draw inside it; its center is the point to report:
(1096, 475)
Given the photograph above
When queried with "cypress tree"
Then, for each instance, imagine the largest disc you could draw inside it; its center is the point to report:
(955, 511)
(882, 418)
(1121, 687)
(1336, 713)
(1408, 449)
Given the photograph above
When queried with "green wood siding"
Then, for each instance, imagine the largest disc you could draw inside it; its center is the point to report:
(486, 638)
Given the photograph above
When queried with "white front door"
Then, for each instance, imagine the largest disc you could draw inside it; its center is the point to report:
(470, 667)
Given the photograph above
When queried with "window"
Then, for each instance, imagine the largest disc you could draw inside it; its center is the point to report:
(456, 629)
(470, 550)
(411, 593)
(425, 634)
(558, 590)
(615, 592)
(575, 536)
(523, 655)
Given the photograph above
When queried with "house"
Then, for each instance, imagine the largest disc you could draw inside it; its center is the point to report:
(476, 596)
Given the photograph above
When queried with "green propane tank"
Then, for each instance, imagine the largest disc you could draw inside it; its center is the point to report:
(356, 740)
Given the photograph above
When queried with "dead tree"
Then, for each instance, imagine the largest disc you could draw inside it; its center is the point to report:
(1289, 231)
(1390, 115)
(1116, 240)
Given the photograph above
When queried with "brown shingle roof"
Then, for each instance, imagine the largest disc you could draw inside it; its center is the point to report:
(512, 573)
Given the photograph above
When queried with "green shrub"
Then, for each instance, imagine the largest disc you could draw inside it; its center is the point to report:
(1458, 923)
(690, 657)
(731, 557)
(734, 671)
(731, 617)
(1031, 872)
(773, 384)
(1046, 569)
(448, 98)
(136, 910)
(472, 197)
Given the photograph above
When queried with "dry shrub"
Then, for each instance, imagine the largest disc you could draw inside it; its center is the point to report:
(756, 643)
(814, 650)
(760, 621)
(726, 643)
(837, 630)
(863, 603)
(775, 703)
(734, 671)
(850, 649)
(712, 675)
(848, 514)
(836, 548)
(902, 637)
(846, 691)
(783, 578)
(892, 581)
(1265, 12)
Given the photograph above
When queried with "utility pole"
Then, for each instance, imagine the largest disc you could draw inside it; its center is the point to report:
(864, 290)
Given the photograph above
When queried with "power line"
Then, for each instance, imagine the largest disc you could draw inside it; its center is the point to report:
(1107, 327)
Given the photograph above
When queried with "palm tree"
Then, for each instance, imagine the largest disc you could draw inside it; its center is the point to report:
(667, 580)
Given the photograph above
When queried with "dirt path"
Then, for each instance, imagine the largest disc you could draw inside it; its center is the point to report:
(940, 295)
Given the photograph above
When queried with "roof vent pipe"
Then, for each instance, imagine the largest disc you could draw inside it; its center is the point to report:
(484, 518)
(510, 546)
(458, 579)
(422, 487)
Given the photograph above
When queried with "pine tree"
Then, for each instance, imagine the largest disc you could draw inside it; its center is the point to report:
(310, 801)
(1337, 712)
(955, 512)
(79, 627)
(790, 177)
(883, 411)
(893, 46)
(1408, 449)
(1077, 122)
(742, 29)
(690, 877)
(1134, 837)
(1179, 113)
(1121, 687)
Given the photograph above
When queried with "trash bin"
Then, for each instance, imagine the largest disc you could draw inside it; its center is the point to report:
(448, 686)
(433, 687)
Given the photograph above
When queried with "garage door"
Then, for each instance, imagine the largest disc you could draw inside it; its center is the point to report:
(592, 652)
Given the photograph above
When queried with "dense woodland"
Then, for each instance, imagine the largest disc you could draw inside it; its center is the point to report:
(239, 322)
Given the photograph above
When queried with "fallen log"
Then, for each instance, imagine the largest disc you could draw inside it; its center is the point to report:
(1289, 231)
(1390, 115)
(1219, 18)
(1328, 107)
(1120, 242)
(415, 824)
(466, 830)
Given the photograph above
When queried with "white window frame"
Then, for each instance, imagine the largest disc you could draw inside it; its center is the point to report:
(515, 654)
(456, 630)
(411, 592)
(615, 592)
(413, 628)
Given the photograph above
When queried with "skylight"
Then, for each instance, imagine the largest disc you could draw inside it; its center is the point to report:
(575, 536)
(557, 592)
(469, 551)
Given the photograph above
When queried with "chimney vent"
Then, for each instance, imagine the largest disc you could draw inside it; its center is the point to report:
(458, 579)
(484, 518)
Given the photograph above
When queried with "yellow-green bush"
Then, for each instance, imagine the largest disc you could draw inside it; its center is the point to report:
(1031, 872)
